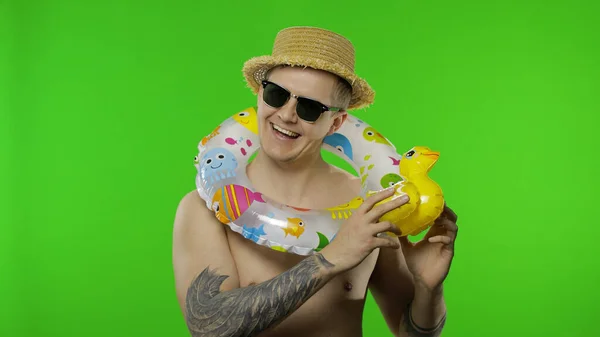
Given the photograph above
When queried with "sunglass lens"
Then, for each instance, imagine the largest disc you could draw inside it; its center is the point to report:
(309, 110)
(275, 96)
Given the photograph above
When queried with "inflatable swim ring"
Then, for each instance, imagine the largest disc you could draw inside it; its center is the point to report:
(222, 183)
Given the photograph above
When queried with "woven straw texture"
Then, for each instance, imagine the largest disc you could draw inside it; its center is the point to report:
(314, 48)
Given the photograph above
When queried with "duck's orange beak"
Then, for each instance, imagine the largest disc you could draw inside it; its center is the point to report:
(432, 154)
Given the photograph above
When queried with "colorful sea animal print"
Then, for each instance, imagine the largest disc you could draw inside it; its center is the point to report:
(253, 233)
(217, 164)
(248, 118)
(390, 179)
(295, 227)
(344, 211)
(340, 143)
(213, 134)
(231, 201)
(373, 136)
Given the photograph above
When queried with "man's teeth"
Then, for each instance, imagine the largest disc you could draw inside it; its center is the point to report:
(285, 132)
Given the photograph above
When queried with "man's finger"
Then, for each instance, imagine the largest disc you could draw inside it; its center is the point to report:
(385, 241)
(368, 204)
(436, 229)
(441, 239)
(450, 213)
(450, 225)
(386, 226)
(378, 211)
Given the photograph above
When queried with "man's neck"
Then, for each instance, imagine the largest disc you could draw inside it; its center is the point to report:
(278, 180)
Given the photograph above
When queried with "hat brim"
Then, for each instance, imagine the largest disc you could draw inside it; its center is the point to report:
(256, 68)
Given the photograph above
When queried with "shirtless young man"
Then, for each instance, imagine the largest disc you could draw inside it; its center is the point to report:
(230, 286)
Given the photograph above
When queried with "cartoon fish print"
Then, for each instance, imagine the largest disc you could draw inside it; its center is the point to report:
(373, 136)
(340, 143)
(344, 211)
(389, 180)
(210, 136)
(248, 118)
(231, 201)
(253, 233)
(217, 164)
(239, 142)
(295, 227)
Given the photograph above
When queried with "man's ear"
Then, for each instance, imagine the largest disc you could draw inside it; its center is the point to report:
(338, 120)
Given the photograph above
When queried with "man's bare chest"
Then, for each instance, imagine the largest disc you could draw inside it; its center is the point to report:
(336, 309)
(256, 264)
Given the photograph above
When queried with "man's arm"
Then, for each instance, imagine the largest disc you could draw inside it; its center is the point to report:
(207, 285)
(408, 309)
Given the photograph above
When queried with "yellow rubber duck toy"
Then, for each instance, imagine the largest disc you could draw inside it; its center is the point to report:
(426, 198)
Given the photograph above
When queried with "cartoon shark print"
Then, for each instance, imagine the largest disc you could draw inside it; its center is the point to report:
(340, 143)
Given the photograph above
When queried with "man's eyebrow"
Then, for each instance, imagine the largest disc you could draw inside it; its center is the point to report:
(304, 96)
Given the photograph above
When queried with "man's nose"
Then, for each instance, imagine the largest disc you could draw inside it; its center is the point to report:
(287, 113)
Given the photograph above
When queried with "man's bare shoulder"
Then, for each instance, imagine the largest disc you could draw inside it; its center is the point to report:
(199, 241)
(193, 214)
(191, 205)
(345, 183)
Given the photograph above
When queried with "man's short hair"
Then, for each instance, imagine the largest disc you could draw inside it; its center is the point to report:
(342, 93)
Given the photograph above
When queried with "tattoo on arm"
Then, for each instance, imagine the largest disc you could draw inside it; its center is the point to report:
(408, 328)
(253, 309)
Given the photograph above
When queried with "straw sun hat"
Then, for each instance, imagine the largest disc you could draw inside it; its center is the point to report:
(314, 48)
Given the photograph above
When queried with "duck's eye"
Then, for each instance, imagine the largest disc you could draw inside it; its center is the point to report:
(410, 153)
(243, 114)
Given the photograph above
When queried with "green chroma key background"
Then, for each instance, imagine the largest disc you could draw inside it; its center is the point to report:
(103, 103)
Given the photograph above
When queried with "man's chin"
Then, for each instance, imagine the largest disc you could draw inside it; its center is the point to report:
(280, 156)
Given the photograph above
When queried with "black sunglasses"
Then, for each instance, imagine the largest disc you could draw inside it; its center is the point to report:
(307, 109)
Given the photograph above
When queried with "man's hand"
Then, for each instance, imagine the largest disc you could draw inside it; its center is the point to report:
(429, 260)
(359, 235)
